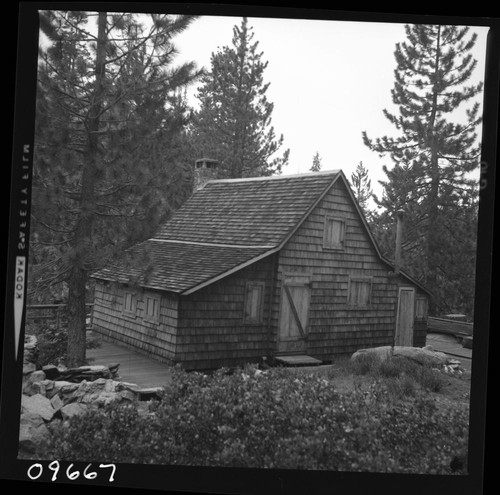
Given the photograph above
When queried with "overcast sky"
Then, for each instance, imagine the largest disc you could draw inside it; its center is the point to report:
(329, 81)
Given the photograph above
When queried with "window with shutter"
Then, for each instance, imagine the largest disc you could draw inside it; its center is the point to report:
(254, 297)
(152, 308)
(334, 233)
(129, 304)
(359, 291)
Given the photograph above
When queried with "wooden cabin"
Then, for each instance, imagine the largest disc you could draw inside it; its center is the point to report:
(260, 267)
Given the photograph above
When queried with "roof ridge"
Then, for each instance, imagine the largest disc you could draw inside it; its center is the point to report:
(276, 177)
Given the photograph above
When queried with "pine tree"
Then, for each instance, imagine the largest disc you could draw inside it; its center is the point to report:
(362, 186)
(433, 155)
(233, 125)
(316, 165)
(107, 167)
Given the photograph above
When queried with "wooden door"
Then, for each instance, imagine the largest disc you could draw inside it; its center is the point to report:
(294, 312)
(405, 317)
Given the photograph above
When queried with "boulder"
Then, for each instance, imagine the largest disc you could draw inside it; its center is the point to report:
(74, 409)
(35, 383)
(88, 373)
(381, 353)
(65, 390)
(113, 368)
(49, 386)
(92, 386)
(30, 342)
(37, 388)
(87, 398)
(111, 386)
(56, 403)
(106, 398)
(51, 371)
(37, 404)
(33, 434)
(64, 387)
(28, 368)
(37, 376)
(421, 355)
(127, 395)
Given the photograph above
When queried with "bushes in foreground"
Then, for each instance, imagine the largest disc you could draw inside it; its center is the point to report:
(271, 420)
(403, 376)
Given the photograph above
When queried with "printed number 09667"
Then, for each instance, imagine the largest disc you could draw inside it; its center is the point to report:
(71, 475)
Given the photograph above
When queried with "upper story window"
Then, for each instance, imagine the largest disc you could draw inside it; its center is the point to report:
(334, 233)
(359, 291)
(254, 302)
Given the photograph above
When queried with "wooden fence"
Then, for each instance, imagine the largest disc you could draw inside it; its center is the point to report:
(452, 327)
(53, 312)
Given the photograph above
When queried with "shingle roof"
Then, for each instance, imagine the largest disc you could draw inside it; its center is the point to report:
(222, 227)
(246, 211)
(176, 266)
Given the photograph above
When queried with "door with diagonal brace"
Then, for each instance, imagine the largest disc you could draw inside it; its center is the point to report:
(294, 313)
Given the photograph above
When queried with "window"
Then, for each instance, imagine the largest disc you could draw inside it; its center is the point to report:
(359, 291)
(254, 296)
(421, 308)
(129, 304)
(334, 233)
(152, 308)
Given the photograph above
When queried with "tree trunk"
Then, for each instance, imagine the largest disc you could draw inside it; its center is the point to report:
(82, 242)
(432, 244)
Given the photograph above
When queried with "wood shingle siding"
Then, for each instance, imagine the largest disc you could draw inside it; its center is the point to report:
(211, 328)
(156, 339)
(335, 327)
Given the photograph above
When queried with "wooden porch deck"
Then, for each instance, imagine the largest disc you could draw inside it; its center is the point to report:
(450, 345)
(134, 367)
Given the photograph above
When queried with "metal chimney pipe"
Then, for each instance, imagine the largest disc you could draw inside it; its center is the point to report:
(399, 236)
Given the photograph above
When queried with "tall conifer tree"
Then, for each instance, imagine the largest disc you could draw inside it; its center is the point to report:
(316, 165)
(106, 169)
(362, 186)
(433, 155)
(233, 124)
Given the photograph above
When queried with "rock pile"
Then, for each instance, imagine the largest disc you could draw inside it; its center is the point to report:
(54, 394)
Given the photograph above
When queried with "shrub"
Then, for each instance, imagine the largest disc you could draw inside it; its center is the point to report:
(118, 432)
(275, 419)
(431, 379)
(402, 375)
(52, 342)
(401, 386)
(394, 367)
(365, 363)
